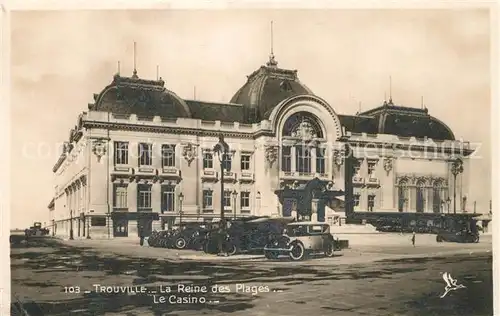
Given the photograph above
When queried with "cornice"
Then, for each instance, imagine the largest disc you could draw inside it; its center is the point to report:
(168, 129)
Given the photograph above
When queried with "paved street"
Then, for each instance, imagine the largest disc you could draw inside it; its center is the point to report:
(365, 280)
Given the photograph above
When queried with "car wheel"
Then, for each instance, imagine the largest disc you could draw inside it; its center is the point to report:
(298, 252)
(180, 243)
(330, 251)
(232, 249)
(272, 255)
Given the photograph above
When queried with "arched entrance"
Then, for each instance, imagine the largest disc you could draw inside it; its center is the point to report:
(307, 199)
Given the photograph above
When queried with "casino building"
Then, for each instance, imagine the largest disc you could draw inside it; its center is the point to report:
(141, 154)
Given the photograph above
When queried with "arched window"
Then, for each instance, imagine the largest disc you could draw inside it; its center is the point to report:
(402, 195)
(302, 125)
(437, 188)
(420, 196)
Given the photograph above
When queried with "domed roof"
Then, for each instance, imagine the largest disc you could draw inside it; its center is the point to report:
(145, 98)
(398, 120)
(267, 87)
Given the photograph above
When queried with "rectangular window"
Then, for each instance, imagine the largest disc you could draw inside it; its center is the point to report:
(145, 154)
(144, 197)
(121, 153)
(320, 160)
(168, 199)
(168, 155)
(120, 196)
(371, 202)
(227, 161)
(98, 221)
(245, 200)
(303, 159)
(286, 158)
(245, 162)
(356, 199)
(371, 168)
(227, 199)
(357, 167)
(208, 161)
(207, 199)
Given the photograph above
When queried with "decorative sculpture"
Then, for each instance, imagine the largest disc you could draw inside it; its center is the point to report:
(338, 158)
(271, 153)
(99, 149)
(387, 164)
(304, 131)
(189, 152)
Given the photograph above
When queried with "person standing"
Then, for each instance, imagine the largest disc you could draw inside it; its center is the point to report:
(222, 238)
(413, 239)
(141, 234)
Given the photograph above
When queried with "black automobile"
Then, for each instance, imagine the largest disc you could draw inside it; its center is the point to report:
(461, 236)
(246, 235)
(190, 235)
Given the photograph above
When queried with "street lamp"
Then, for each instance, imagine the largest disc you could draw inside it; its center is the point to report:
(87, 219)
(181, 198)
(456, 169)
(448, 202)
(71, 225)
(221, 149)
(235, 194)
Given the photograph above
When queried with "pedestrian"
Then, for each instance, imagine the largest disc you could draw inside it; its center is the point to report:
(413, 239)
(141, 235)
(222, 238)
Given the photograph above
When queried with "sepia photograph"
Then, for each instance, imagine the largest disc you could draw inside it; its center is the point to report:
(270, 161)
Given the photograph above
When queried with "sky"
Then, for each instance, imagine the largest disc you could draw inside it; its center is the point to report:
(59, 59)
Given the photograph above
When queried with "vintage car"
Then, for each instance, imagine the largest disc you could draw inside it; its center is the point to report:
(189, 235)
(247, 235)
(36, 230)
(461, 236)
(301, 239)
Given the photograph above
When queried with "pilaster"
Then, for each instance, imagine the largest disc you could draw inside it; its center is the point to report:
(132, 196)
(156, 197)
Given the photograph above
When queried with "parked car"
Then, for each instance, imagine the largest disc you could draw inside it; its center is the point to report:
(300, 240)
(36, 230)
(462, 236)
(189, 235)
(246, 235)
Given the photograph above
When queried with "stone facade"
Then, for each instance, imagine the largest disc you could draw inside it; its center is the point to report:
(117, 167)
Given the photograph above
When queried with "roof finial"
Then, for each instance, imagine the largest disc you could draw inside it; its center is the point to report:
(385, 98)
(390, 90)
(272, 62)
(157, 72)
(118, 69)
(194, 93)
(359, 106)
(422, 101)
(134, 74)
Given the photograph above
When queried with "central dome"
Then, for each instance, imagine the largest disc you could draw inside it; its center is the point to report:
(266, 88)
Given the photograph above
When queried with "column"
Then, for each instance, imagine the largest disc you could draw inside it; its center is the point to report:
(293, 153)
(132, 196)
(314, 209)
(313, 159)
